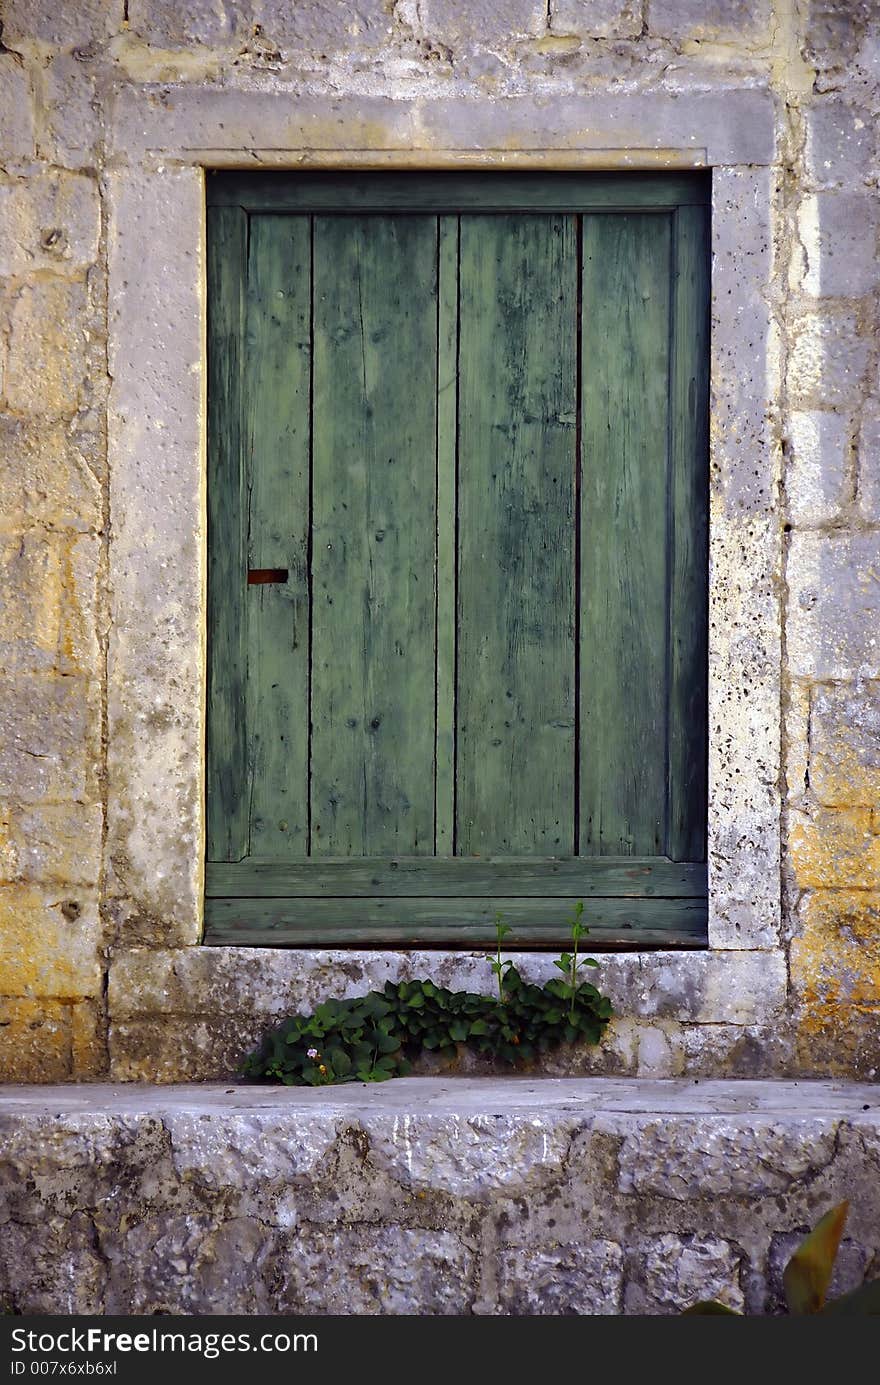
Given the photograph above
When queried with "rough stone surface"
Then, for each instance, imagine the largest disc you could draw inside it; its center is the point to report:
(596, 18)
(108, 113)
(817, 482)
(834, 603)
(743, 21)
(247, 1200)
(845, 744)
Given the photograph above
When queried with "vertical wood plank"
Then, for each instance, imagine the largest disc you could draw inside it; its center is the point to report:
(517, 449)
(447, 464)
(374, 497)
(226, 807)
(688, 617)
(277, 372)
(623, 643)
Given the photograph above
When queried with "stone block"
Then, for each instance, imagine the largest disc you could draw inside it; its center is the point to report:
(653, 1157)
(868, 484)
(742, 22)
(845, 744)
(827, 361)
(51, 744)
(482, 23)
(840, 143)
(596, 18)
(562, 1280)
(48, 603)
(323, 26)
(833, 626)
(835, 961)
(817, 479)
(60, 25)
(48, 476)
(34, 1040)
(72, 129)
(384, 1269)
(835, 849)
(156, 733)
(171, 24)
(675, 1272)
(16, 110)
(57, 843)
(51, 943)
(51, 222)
(743, 374)
(833, 30)
(47, 356)
(839, 233)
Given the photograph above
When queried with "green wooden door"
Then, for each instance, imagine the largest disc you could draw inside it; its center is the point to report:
(457, 558)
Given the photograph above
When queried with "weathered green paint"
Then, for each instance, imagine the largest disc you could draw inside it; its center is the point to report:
(486, 479)
(419, 875)
(447, 508)
(226, 815)
(623, 635)
(277, 383)
(374, 497)
(517, 440)
(453, 922)
(455, 191)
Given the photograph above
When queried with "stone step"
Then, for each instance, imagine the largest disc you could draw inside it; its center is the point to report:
(429, 1196)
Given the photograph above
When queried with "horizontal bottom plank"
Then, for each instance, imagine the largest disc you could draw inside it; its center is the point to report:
(584, 876)
(452, 922)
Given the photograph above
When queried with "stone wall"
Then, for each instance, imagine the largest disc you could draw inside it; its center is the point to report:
(459, 1197)
(102, 103)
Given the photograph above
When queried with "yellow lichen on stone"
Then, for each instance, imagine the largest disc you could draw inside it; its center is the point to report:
(835, 977)
(50, 942)
(34, 1041)
(835, 849)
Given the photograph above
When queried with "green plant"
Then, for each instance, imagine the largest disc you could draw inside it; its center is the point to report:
(807, 1276)
(568, 963)
(372, 1037)
(499, 967)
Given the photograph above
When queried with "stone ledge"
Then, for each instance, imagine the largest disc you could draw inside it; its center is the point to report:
(426, 1196)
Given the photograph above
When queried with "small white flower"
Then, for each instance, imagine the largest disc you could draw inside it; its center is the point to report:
(312, 1052)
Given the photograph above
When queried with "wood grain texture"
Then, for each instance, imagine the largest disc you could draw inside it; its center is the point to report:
(450, 191)
(417, 875)
(623, 625)
(226, 754)
(689, 540)
(517, 412)
(374, 496)
(447, 506)
(278, 371)
(461, 922)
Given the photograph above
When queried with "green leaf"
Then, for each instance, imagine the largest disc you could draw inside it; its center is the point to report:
(808, 1273)
(339, 1061)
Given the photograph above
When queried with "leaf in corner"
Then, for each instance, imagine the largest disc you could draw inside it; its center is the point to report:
(808, 1273)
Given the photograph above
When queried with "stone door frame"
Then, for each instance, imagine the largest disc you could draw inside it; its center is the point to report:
(163, 142)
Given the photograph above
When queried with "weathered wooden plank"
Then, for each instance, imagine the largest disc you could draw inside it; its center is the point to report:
(446, 576)
(455, 922)
(689, 584)
(226, 812)
(278, 370)
(449, 191)
(630, 877)
(374, 497)
(517, 447)
(623, 624)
